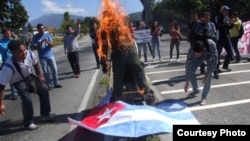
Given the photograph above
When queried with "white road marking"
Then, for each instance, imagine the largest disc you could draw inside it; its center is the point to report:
(224, 104)
(213, 86)
(183, 77)
(85, 99)
(162, 64)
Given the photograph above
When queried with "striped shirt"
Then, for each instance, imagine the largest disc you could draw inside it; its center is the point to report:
(210, 57)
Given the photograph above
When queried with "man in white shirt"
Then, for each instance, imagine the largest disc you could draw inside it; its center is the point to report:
(17, 70)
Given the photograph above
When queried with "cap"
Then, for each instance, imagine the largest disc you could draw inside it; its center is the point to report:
(224, 7)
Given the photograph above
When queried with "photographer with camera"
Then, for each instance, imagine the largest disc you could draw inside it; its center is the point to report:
(18, 71)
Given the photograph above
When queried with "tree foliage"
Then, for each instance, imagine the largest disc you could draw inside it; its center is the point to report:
(167, 10)
(12, 14)
(85, 24)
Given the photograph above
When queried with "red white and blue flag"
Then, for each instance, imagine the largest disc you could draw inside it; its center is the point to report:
(122, 119)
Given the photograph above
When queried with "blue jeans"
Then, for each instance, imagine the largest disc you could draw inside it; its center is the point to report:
(143, 46)
(156, 44)
(27, 106)
(47, 63)
(13, 90)
(195, 64)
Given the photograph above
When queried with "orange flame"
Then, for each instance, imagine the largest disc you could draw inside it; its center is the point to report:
(113, 31)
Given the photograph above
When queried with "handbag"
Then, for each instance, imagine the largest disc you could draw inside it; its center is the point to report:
(30, 80)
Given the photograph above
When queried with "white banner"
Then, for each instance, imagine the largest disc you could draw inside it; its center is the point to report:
(244, 41)
(142, 36)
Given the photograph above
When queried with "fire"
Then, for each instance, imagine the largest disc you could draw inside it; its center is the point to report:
(113, 32)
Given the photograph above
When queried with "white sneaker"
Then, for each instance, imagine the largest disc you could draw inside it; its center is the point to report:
(178, 60)
(171, 60)
(203, 102)
(32, 126)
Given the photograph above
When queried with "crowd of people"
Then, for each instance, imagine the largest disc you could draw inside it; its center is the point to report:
(206, 38)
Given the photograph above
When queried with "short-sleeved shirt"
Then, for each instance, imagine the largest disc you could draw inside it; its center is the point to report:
(9, 74)
(45, 50)
(3, 46)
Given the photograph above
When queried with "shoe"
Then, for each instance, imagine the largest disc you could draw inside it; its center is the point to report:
(50, 88)
(177, 60)
(203, 102)
(227, 69)
(216, 76)
(77, 76)
(14, 97)
(160, 60)
(237, 61)
(32, 126)
(149, 98)
(219, 71)
(49, 117)
(193, 93)
(153, 60)
(171, 60)
(58, 86)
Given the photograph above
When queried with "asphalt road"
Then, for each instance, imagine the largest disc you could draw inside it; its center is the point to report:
(228, 101)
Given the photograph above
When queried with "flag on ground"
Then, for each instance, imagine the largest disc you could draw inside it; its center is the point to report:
(122, 119)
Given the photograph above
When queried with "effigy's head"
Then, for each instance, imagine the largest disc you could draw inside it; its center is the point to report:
(113, 31)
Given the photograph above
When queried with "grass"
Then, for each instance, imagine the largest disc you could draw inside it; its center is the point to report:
(104, 81)
(57, 41)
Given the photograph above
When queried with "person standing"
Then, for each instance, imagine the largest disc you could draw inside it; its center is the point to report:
(92, 34)
(198, 54)
(43, 43)
(5, 54)
(71, 47)
(206, 29)
(223, 25)
(156, 40)
(142, 46)
(234, 35)
(17, 70)
(175, 34)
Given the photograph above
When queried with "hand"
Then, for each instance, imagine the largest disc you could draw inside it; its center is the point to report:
(2, 108)
(205, 79)
(186, 87)
(45, 40)
(78, 21)
(41, 79)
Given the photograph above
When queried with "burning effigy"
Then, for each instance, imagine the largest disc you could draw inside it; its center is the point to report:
(113, 31)
(114, 35)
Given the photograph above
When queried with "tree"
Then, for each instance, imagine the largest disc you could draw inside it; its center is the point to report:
(13, 14)
(66, 21)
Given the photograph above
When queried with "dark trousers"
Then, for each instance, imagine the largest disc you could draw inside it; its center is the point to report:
(73, 58)
(234, 41)
(97, 58)
(27, 106)
(226, 43)
(123, 62)
(176, 43)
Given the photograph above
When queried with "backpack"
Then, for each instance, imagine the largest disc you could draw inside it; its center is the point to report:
(241, 31)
